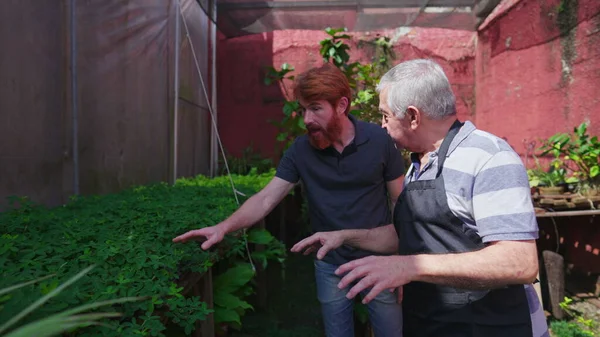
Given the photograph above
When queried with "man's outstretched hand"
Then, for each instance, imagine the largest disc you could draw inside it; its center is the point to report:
(212, 235)
(322, 242)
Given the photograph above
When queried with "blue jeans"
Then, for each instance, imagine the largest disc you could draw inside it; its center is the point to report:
(385, 313)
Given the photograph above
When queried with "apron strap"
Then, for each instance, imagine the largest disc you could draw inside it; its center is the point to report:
(446, 145)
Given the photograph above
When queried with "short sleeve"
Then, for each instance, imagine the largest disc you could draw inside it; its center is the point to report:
(394, 165)
(502, 206)
(287, 169)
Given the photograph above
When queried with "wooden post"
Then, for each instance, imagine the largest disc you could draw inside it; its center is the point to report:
(207, 327)
(282, 224)
(261, 277)
(555, 274)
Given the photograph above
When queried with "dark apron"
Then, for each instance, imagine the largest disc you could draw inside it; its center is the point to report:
(426, 225)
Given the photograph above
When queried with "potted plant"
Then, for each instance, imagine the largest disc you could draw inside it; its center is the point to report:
(580, 152)
(549, 182)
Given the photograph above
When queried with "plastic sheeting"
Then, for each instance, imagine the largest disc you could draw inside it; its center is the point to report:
(242, 17)
(125, 56)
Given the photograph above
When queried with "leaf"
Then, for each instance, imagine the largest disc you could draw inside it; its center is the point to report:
(331, 51)
(301, 124)
(66, 320)
(333, 31)
(189, 329)
(282, 137)
(229, 301)
(534, 182)
(594, 171)
(233, 278)
(260, 236)
(95, 305)
(290, 107)
(581, 129)
(226, 315)
(571, 180)
(48, 328)
(15, 287)
(43, 299)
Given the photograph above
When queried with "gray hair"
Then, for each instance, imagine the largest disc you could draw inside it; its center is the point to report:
(422, 84)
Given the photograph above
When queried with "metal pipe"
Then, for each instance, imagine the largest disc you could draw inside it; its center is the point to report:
(214, 162)
(557, 214)
(74, 111)
(176, 91)
(342, 4)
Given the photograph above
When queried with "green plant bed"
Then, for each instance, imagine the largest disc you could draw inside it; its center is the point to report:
(127, 236)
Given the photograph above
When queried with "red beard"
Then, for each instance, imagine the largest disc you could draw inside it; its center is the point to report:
(322, 139)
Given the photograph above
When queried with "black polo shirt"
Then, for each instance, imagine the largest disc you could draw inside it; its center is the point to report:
(347, 190)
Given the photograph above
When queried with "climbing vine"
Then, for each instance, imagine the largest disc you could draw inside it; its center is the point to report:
(363, 78)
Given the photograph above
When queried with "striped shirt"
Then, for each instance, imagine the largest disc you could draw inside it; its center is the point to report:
(487, 188)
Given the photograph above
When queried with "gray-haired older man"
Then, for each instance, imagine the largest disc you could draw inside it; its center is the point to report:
(464, 225)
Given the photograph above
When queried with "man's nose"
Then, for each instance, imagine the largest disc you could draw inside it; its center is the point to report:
(308, 117)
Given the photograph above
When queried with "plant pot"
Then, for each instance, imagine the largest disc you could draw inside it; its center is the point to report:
(552, 190)
(588, 191)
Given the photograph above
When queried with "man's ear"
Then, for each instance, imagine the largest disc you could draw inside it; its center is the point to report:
(342, 105)
(414, 116)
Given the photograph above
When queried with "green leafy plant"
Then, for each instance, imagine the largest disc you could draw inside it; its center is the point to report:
(335, 50)
(578, 326)
(579, 152)
(244, 164)
(234, 284)
(67, 320)
(366, 101)
(127, 235)
(554, 176)
(363, 79)
(292, 124)
(230, 287)
(551, 178)
(569, 329)
(274, 250)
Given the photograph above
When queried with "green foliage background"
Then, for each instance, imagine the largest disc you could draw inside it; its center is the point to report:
(128, 236)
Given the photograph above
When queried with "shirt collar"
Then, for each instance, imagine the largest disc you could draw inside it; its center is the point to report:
(462, 134)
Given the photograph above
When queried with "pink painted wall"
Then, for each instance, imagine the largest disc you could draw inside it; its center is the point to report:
(538, 69)
(245, 104)
(538, 73)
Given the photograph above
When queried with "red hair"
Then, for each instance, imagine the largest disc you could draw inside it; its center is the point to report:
(323, 83)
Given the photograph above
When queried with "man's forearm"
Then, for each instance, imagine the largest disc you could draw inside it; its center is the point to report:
(497, 265)
(382, 239)
(250, 213)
